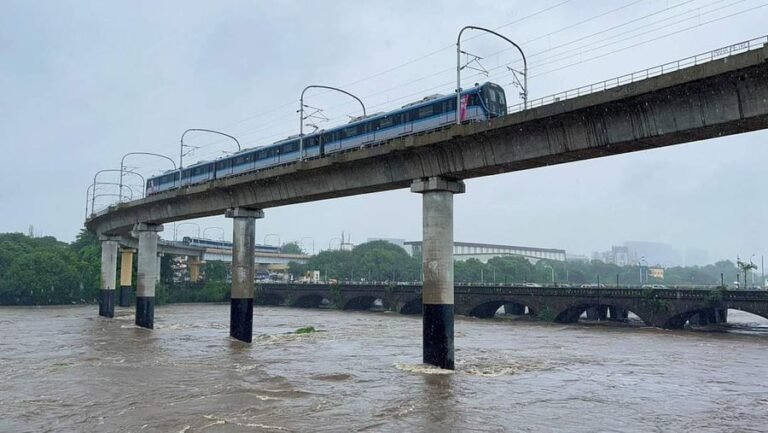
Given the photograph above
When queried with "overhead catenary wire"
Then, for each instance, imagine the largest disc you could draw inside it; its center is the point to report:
(547, 51)
(538, 65)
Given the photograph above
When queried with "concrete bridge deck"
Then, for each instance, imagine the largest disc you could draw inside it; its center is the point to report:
(666, 308)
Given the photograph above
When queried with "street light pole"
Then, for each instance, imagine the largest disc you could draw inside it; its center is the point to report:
(109, 170)
(313, 243)
(301, 112)
(122, 164)
(212, 131)
(214, 227)
(176, 228)
(552, 270)
(272, 234)
(331, 240)
(459, 68)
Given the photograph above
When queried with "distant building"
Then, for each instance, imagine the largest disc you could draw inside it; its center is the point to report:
(618, 255)
(484, 252)
(654, 252)
(577, 258)
(656, 272)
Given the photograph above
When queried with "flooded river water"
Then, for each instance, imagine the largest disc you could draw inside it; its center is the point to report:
(63, 369)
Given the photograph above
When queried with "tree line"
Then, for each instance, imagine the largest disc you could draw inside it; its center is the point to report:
(45, 271)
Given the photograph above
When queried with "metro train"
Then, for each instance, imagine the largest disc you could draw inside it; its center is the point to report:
(480, 103)
(224, 245)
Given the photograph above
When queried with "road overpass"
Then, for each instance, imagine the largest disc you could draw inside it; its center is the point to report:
(711, 95)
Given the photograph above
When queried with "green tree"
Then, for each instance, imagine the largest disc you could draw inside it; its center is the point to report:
(383, 261)
(291, 248)
(469, 271)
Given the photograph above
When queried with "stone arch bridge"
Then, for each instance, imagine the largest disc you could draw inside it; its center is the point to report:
(664, 308)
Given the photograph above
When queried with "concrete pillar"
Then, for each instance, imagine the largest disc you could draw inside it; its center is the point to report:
(602, 312)
(159, 265)
(437, 255)
(593, 314)
(148, 271)
(243, 273)
(126, 275)
(109, 246)
(193, 265)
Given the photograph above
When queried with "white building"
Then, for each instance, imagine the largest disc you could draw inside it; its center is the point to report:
(484, 252)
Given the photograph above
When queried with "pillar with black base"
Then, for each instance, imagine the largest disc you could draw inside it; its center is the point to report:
(148, 271)
(243, 244)
(109, 246)
(437, 255)
(126, 276)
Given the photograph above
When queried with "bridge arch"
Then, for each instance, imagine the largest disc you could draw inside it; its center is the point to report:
(711, 315)
(488, 309)
(309, 300)
(359, 303)
(411, 306)
(614, 311)
(269, 299)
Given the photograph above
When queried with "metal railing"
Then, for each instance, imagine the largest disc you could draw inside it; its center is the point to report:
(651, 72)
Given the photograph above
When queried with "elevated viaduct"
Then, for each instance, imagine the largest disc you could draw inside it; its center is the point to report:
(716, 94)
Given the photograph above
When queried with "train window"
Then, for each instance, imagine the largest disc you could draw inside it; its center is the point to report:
(502, 100)
(385, 122)
(350, 132)
(425, 112)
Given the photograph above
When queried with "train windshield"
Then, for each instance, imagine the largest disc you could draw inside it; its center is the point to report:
(495, 100)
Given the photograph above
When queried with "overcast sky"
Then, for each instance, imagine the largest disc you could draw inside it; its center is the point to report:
(84, 82)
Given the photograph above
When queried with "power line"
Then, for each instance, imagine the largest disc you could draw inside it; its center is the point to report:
(259, 129)
(422, 91)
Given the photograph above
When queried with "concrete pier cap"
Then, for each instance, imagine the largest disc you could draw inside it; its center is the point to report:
(241, 212)
(438, 184)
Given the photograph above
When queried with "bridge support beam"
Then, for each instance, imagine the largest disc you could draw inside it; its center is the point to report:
(243, 272)
(126, 276)
(109, 246)
(437, 267)
(148, 271)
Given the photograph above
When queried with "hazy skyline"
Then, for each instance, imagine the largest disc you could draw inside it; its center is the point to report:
(85, 82)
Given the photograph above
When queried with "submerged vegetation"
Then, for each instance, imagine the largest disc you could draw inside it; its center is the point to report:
(306, 330)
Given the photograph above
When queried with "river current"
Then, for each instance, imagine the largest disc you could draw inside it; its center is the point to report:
(64, 369)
